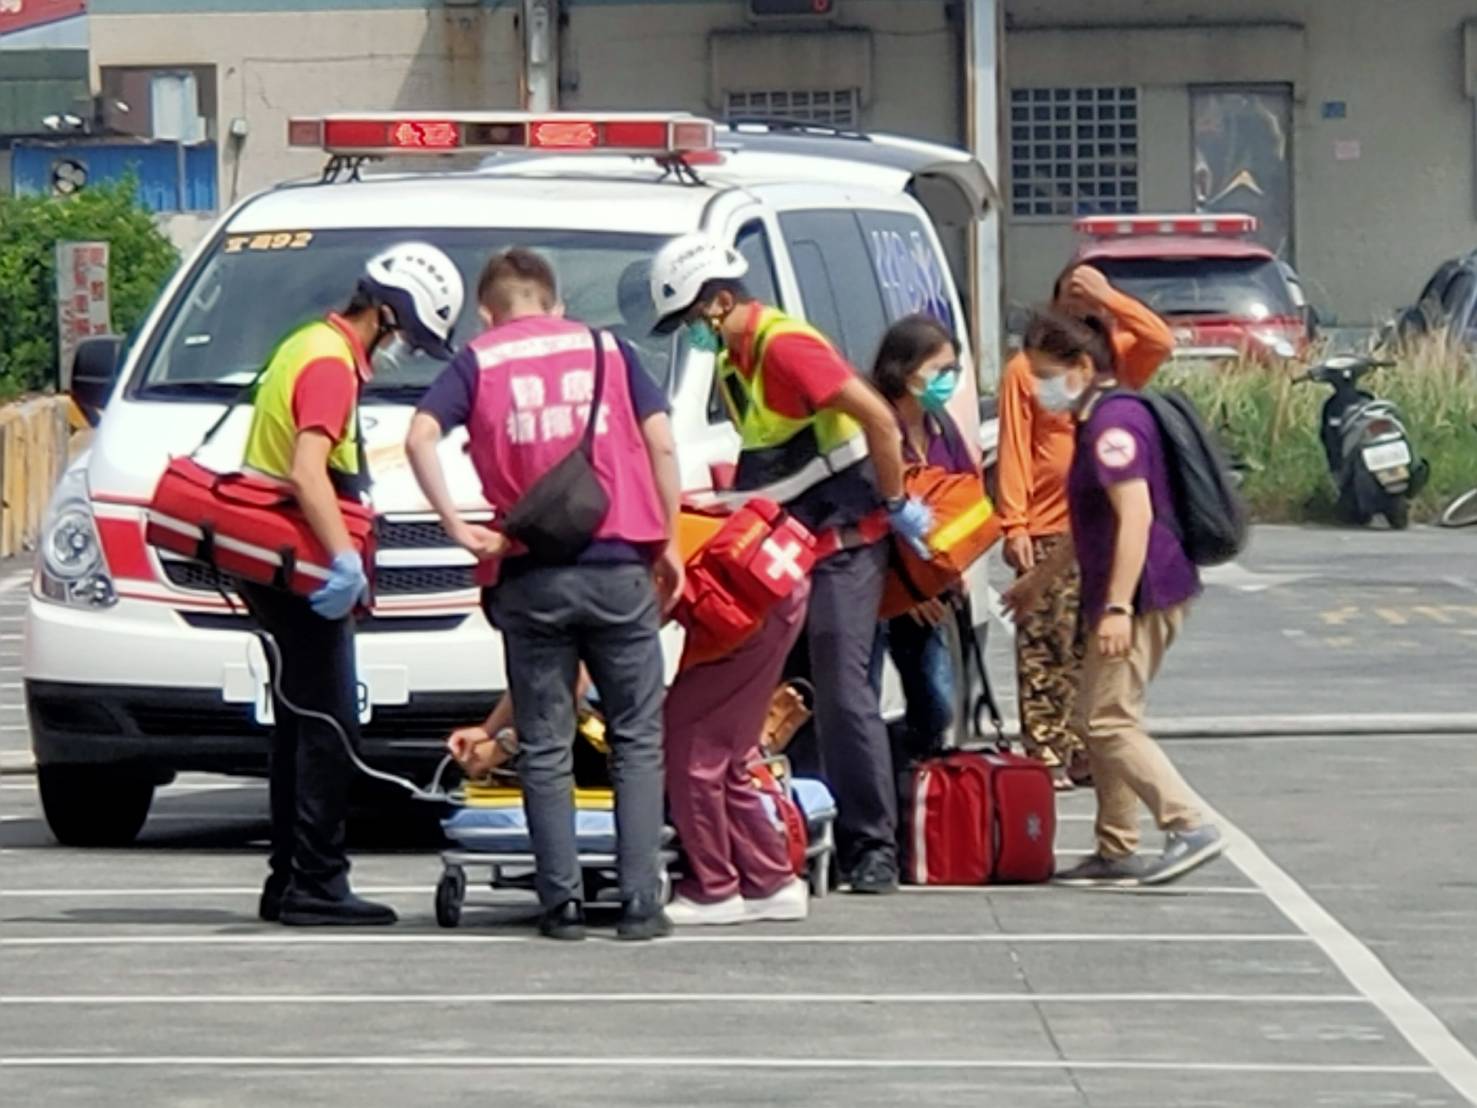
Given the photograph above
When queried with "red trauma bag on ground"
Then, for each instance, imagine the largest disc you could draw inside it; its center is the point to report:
(749, 563)
(972, 817)
(247, 527)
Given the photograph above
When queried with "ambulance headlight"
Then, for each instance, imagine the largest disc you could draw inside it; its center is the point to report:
(71, 567)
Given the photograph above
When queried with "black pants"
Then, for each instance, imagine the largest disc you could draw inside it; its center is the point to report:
(309, 767)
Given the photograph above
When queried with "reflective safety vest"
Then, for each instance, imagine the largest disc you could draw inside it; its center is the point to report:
(273, 435)
(783, 457)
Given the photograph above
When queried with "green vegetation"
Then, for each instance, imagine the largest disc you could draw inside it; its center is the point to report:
(1271, 423)
(140, 260)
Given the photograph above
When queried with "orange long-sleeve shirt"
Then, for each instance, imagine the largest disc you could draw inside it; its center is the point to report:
(1036, 445)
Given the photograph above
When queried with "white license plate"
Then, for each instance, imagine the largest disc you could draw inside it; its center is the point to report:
(265, 714)
(1387, 455)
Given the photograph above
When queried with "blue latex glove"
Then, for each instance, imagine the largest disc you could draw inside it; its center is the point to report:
(911, 521)
(346, 587)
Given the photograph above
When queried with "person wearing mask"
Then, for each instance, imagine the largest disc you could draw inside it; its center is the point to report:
(305, 433)
(819, 440)
(525, 391)
(917, 371)
(1137, 585)
(1035, 453)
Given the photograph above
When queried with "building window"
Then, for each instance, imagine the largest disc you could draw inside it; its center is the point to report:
(839, 108)
(1074, 151)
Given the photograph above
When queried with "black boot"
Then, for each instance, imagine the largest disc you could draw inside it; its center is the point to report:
(299, 909)
(875, 873)
(565, 923)
(643, 918)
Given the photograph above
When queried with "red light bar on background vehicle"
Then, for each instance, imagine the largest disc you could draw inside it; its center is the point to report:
(1125, 226)
(423, 133)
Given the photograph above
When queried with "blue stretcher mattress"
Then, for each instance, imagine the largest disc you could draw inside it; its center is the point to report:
(503, 828)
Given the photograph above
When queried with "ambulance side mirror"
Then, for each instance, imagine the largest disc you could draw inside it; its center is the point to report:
(722, 474)
(94, 372)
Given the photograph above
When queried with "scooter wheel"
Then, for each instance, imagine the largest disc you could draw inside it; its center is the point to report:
(451, 891)
(1397, 514)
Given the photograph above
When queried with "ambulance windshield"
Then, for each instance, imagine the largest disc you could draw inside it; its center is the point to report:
(251, 290)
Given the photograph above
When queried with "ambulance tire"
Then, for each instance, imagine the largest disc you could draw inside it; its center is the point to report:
(94, 805)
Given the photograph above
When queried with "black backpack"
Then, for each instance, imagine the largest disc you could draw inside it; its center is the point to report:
(1212, 521)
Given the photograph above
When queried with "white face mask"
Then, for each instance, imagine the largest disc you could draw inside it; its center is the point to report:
(1056, 395)
(393, 354)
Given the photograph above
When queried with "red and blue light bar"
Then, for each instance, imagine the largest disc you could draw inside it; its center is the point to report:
(1127, 226)
(400, 133)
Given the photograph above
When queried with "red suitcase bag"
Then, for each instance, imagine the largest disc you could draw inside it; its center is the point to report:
(1023, 807)
(946, 817)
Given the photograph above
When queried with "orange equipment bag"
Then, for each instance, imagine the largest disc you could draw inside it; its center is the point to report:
(965, 526)
(247, 527)
(749, 562)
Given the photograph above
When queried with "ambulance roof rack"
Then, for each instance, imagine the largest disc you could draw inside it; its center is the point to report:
(675, 140)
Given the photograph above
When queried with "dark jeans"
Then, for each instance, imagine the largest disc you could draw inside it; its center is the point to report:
(310, 770)
(921, 654)
(845, 595)
(607, 617)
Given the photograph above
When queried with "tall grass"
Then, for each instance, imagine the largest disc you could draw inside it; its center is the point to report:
(1271, 423)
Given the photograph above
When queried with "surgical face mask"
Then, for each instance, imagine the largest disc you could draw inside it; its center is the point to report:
(1056, 394)
(934, 396)
(704, 337)
(392, 355)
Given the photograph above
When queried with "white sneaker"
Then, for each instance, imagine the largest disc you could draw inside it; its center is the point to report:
(689, 913)
(790, 904)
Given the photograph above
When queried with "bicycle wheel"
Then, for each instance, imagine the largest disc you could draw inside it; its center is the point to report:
(1461, 512)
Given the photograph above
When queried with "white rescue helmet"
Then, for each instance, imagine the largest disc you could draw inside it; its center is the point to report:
(423, 287)
(682, 268)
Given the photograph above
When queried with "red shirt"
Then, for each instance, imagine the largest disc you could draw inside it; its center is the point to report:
(802, 374)
(323, 396)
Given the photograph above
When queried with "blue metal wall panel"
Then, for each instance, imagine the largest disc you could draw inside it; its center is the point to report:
(155, 165)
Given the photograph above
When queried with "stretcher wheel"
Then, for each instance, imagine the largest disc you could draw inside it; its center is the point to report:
(451, 890)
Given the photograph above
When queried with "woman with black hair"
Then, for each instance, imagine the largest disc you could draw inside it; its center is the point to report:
(917, 371)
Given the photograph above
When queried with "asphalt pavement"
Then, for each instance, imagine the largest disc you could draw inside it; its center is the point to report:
(1327, 961)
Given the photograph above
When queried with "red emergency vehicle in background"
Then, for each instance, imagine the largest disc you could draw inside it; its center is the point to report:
(1223, 293)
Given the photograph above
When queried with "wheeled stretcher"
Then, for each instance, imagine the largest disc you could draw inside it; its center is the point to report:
(490, 831)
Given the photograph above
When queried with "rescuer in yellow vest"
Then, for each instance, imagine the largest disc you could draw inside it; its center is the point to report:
(305, 432)
(820, 440)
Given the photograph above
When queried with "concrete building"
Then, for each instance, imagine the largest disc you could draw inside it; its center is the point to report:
(1346, 125)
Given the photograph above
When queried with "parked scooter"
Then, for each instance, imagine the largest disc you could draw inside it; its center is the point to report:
(1374, 467)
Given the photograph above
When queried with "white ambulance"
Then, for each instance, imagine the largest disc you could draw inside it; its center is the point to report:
(136, 667)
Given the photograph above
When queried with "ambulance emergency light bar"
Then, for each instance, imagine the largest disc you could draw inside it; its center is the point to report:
(1124, 226)
(401, 133)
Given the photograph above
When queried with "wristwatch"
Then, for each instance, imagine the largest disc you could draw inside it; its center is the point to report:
(894, 503)
(507, 741)
(1118, 609)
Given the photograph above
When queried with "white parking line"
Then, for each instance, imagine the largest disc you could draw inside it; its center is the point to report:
(280, 938)
(749, 1064)
(298, 999)
(166, 892)
(1420, 1027)
(14, 581)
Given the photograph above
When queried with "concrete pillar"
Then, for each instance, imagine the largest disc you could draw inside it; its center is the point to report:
(984, 40)
(540, 21)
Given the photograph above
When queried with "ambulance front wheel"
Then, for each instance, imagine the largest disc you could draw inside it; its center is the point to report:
(451, 891)
(94, 805)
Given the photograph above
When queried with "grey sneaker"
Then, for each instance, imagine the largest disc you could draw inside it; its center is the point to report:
(1097, 870)
(1184, 851)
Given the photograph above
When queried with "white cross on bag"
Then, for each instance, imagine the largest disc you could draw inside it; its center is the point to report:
(783, 560)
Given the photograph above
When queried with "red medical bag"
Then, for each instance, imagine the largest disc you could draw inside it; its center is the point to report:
(969, 818)
(755, 559)
(247, 527)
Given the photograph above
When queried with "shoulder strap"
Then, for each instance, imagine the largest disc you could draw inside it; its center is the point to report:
(241, 397)
(587, 441)
(974, 649)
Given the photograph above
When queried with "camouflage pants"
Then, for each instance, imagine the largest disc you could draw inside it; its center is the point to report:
(1049, 648)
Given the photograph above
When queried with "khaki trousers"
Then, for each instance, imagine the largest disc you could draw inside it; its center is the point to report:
(1127, 765)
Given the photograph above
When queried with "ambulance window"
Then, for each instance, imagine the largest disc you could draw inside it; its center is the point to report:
(753, 244)
(837, 281)
(912, 275)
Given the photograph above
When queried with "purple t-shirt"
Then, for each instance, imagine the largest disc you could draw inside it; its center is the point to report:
(1120, 442)
(946, 447)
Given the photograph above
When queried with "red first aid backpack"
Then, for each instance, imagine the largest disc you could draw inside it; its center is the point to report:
(754, 560)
